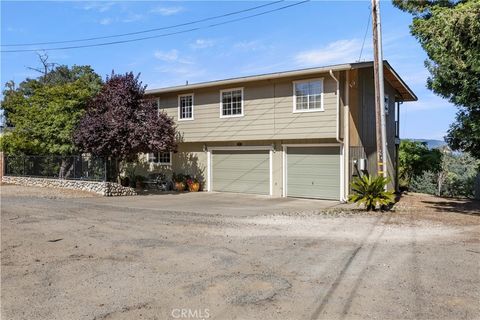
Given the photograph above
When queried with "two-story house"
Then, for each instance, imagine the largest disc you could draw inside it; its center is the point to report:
(301, 133)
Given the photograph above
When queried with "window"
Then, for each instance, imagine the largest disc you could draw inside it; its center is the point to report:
(308, 95)
(185, 107)
(231, 103)
(163, 158)
(386, 104)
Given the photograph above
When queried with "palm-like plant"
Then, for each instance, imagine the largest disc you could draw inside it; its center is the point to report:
(370, 191)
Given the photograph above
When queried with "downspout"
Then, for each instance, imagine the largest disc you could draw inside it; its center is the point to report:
(337, 136)
(346, 135)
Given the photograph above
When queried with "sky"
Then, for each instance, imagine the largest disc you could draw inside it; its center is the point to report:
(315, 33)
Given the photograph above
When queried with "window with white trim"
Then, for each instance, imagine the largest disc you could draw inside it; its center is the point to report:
(308, 95)
(162, 158)
(231, 103)
(185, 107)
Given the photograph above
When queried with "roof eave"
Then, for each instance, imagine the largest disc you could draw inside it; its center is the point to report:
(397, 82)
(267, 76)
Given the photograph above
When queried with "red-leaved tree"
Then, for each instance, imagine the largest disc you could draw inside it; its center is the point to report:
(120, 123)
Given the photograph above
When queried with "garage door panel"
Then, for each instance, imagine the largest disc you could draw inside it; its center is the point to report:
(313, 172)
(241, 171)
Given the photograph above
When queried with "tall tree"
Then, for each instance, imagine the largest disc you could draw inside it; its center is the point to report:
(415, 158)
(120, 123)
(449, 32)
(44, 111)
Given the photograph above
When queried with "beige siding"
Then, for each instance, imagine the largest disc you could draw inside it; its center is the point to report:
(268, 114)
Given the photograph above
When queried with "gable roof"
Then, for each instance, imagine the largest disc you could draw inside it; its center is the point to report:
(389, 73)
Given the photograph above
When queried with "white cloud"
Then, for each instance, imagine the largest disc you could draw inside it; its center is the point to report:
(171, 56)
(168, 56)
(100, 6)
(340, 51)
(416, 78)
(428, 102)
(133, 18)
(178, 75)
(167, 11)
(106, 21)
(202, 43)
(252, 45)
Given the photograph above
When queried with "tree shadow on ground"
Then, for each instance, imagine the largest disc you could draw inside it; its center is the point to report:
(462, 206)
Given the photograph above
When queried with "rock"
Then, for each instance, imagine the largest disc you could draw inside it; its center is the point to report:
(103, 188)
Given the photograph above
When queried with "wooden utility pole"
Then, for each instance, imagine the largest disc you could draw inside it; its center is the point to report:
(380, 125)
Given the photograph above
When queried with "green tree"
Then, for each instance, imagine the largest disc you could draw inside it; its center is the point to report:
(415, 158)
(44, 111)
(455, 178)
(449, 32)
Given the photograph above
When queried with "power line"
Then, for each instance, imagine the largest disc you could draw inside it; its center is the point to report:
(143, 31)
(160, 35)
(365, 36)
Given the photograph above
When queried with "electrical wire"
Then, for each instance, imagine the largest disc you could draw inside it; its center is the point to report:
(143, 31)
(366, 31)
(157, 36)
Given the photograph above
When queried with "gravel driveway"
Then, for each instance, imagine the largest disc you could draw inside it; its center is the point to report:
(69, 255)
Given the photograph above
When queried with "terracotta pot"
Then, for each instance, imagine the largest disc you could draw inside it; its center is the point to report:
(194, 187)
(180, 186)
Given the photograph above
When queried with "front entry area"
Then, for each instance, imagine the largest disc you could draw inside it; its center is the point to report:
(242, 171)
(313, 172)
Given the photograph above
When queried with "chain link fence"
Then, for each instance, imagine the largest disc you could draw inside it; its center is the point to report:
(78, 167)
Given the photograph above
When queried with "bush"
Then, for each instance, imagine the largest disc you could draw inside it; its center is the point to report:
(370, 191)
(456, 178)
(425, 183)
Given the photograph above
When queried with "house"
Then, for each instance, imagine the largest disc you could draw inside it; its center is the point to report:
(302, 133)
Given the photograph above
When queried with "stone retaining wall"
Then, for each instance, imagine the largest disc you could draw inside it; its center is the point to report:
(103, 188)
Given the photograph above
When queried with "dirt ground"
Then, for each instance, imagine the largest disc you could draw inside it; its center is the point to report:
(70, 255)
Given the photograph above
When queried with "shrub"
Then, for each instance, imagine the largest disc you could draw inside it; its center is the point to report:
(425, 183)
(370, 191)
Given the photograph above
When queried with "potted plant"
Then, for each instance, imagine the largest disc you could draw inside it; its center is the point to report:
(179, 182)
(193, 184)
(139, 181)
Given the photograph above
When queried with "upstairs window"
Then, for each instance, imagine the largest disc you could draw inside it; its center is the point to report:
(231, 104)
(185, 107)
(162, 158)
(308, 95)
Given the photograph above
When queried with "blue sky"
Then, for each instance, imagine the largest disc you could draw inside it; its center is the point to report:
(315, 33)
